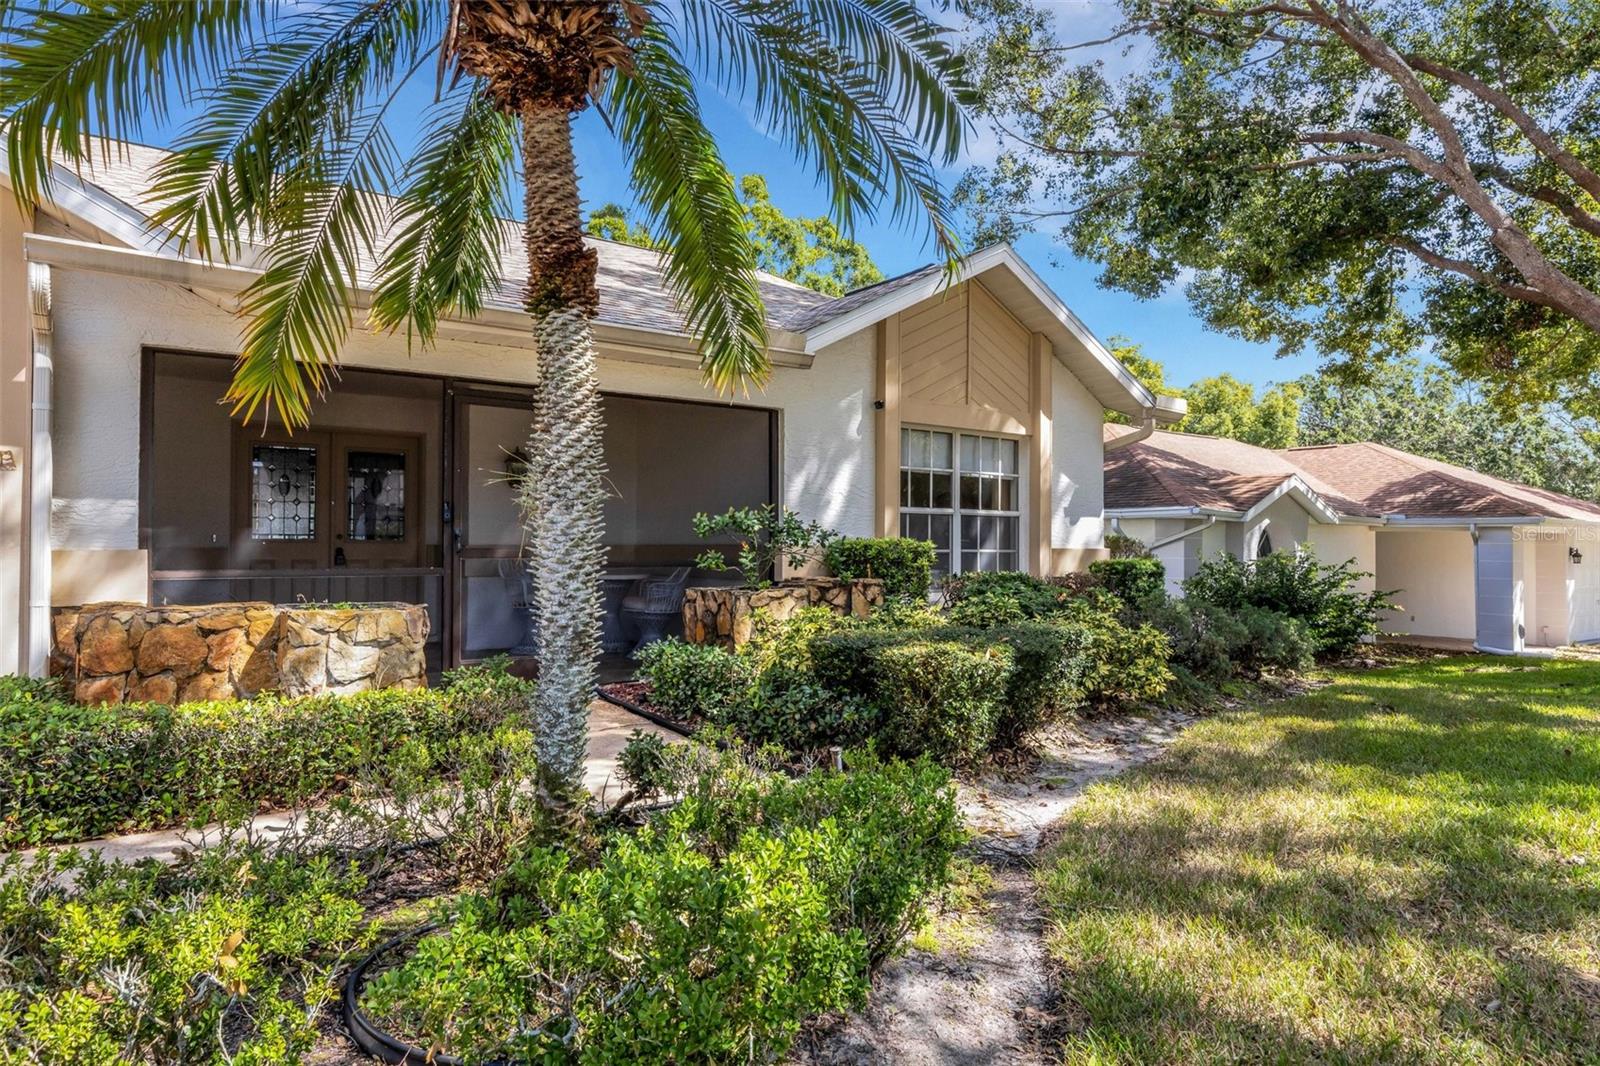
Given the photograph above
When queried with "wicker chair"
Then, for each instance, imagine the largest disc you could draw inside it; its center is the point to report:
(653, 604)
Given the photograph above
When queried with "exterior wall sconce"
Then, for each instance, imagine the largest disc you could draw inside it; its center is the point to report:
(1575, 555)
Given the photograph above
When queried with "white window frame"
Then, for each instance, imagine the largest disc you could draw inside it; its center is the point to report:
(955, 512)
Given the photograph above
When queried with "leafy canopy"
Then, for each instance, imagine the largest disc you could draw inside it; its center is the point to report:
(296, 164)
(1219, 406)
(811, 251)
(1342, 179)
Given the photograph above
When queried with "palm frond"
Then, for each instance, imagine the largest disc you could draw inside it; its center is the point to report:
(280, 105)
(105, 67)
(856, 88)
(688, 199)
(444, 252)
(325, 219)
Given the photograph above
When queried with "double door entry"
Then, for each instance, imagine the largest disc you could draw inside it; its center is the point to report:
(327, 499)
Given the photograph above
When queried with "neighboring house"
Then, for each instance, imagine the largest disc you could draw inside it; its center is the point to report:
(1471, 557)
(964, 410)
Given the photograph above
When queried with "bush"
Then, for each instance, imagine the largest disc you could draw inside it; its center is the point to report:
(1134, 581)
(488, 693)
(790, 709)
(930, 693)
(695, 681)
(1212, 644)
(1005, 597)
(904, 565)
(126, 964)
(1051, 666)
(1127, 663)
(707, 937)
(74, 772)
(1322, 597)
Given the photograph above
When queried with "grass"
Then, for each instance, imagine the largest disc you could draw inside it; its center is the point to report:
(1401, 866)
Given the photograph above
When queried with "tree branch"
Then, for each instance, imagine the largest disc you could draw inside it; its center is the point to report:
(1537, 135)
(1545, 194)
(1472, 271)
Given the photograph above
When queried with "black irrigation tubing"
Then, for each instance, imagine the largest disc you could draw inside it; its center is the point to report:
(373, 1041)
(644, 712)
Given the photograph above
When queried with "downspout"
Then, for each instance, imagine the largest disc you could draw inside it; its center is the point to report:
(1182, 534)
(41, 477)
(1146, 427)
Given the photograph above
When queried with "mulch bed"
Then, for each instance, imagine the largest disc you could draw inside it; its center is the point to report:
(636, 695)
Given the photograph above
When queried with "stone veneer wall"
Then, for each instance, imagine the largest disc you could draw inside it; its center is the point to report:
(725, 616)
(111, 652)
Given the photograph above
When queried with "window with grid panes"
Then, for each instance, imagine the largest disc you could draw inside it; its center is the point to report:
(962, 492)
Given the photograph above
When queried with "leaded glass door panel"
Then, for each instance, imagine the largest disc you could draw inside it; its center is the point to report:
(280, 501)
(376, 500)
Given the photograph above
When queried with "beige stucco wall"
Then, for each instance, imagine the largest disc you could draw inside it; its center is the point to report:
(1431, 572)
(1335, 544)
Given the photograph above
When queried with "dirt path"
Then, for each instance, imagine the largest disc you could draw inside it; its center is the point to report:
(987, 998)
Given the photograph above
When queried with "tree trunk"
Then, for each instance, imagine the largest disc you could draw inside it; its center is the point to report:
(563, 495)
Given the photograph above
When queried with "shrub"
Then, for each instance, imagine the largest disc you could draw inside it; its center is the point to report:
(790, 709)
(1122, 546)
(1004, 597)
(695, 681)
(1323, 597)
(1134, 580)
(488, 693)
(1127, 663)
(708, 936)
(74, 772)
(1203, 637)
(1051, 665)
(930, 693)
(1212, 644)
(904, 565)
(124, 964)
(988, 609)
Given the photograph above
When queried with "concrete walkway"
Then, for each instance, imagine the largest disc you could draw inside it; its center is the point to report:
(609, 729)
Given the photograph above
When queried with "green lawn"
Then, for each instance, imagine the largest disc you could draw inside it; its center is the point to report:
(1402, 866)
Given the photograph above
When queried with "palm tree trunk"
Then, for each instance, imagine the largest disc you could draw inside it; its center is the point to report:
(563, 494)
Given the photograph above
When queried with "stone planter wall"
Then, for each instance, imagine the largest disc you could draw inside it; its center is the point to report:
(725, 616)
(111, 652)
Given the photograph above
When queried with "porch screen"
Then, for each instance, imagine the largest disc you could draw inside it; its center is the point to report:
(961, 492)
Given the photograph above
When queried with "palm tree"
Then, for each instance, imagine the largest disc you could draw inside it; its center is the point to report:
(291, 163)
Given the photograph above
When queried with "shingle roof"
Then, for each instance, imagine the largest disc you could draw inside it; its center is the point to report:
(1169, 469)
(632, 289)
(833, 308)
(1390, 481)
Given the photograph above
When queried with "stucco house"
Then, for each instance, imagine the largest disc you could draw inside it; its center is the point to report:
(964, 410)
(1509, 567)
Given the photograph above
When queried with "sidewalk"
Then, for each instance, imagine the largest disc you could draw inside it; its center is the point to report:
(609, 727)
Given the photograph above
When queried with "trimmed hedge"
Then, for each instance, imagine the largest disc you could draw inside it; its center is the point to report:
(74, 772)
(904, 565)
(1135, 580)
